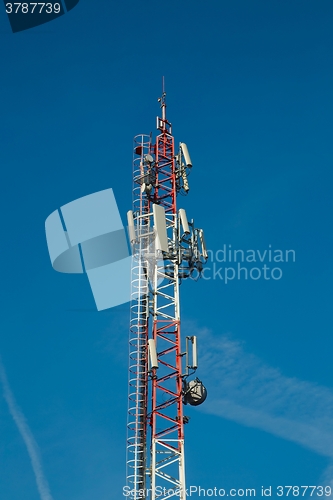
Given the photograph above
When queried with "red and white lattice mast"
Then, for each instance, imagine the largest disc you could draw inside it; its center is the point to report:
(167, 248)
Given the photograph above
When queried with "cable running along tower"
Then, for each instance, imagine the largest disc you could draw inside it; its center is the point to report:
(167, 248)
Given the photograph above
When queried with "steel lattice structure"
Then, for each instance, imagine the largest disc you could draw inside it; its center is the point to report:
(166, 249)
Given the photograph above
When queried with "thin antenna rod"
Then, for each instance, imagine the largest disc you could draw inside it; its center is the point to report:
(162, 101)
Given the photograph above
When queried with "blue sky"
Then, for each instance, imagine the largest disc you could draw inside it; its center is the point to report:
(249, 89)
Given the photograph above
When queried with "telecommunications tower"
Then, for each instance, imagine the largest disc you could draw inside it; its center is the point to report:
(167, 248)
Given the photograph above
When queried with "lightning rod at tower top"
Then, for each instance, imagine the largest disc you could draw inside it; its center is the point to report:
(167, 248)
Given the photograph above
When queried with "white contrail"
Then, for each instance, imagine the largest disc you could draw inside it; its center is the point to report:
(244, 389)
(32, 447)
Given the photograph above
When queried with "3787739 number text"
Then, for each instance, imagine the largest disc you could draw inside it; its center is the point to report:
(32, 7)
(301, 491)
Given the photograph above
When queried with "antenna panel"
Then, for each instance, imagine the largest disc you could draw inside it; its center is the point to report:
(131, 229)
(184, 222)
(160, 228)
(186, 154)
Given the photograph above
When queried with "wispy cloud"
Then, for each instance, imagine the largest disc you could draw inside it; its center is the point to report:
(32, 447)
(244, 389)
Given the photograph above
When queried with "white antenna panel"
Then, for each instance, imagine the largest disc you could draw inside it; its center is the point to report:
(194, 353)
(203, 244)
(186, 154)
(183, 220)
(131, 229)
(152, 354)
(160, 228)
